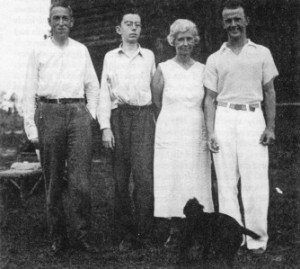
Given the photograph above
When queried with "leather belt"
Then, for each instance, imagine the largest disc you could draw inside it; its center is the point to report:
(130, 107)
(244, 107)
(61, 100)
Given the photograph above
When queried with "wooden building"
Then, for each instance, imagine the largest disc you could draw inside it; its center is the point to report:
(273, 23)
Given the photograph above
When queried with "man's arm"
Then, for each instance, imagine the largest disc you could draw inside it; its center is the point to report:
(209, 115)
(91, 85)
(153, 65)
(29, 99)
(157, 86)
(268, 136)
(104, 110)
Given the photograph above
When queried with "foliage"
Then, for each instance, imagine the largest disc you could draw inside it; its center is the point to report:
(10, 121)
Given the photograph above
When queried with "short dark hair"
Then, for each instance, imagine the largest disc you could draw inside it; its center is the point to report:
(234, 4)
(61, 3)
(131, 9)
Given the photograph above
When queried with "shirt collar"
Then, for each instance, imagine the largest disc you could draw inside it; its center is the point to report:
(139, 50)
(249, 43)
(54, 43)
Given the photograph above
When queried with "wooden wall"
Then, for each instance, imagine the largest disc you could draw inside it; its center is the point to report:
(273, 23)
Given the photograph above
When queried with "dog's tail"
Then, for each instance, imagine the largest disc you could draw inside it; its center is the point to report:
(250, 233)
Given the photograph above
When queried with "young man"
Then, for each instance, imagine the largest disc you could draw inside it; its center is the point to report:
(238, 78)
(60, 74)
(127, 120)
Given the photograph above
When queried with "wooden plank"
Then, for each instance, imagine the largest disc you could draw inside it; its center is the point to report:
(13, 173)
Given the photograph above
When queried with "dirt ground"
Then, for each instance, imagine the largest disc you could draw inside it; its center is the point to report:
(25, 244)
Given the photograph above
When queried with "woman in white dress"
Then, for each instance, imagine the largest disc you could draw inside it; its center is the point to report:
(182, 164)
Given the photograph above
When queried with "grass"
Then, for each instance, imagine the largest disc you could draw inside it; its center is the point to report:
(24, 243)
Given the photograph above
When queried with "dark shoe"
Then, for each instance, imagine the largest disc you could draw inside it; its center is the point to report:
(84, 245)
(59, 245)
(258, 251)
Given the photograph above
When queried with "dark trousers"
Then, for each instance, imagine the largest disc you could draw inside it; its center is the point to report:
(133, 155)
(65, 138)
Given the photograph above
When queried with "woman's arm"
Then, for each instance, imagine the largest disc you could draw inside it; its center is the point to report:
(157, 86)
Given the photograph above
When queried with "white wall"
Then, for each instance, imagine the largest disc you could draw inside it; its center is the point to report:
(22, 24)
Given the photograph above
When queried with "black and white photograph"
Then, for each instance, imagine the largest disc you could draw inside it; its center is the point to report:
(150, 134)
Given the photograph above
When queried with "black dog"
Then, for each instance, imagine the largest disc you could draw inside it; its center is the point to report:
(219, 235)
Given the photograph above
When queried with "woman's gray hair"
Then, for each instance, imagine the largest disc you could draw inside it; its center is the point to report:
(182, 26)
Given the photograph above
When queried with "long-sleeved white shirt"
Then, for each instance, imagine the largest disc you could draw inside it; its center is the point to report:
(55, 72)
(125, 80)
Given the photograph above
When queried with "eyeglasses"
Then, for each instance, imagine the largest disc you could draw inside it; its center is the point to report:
(132, 24)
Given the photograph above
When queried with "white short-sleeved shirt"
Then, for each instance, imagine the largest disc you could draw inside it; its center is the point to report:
(239, 78)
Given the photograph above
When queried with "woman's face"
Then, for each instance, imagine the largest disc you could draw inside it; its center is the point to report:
(184, 43)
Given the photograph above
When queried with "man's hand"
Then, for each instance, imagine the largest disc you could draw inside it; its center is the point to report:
(209, 115)
(108, 139)
(213, 144)
(35, 142)
(267, 138)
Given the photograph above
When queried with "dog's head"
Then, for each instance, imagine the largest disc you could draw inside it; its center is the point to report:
(192, 208)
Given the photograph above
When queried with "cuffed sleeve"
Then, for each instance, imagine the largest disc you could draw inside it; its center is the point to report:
(29, 97)
(91, 86)
(104, 108)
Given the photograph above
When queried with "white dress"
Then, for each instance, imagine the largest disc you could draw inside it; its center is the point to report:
(182, 163)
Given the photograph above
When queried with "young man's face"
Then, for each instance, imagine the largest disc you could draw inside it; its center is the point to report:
(60, 22)
(130, 28)
(235, 22)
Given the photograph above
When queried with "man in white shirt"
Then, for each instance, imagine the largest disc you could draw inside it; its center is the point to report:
(127, 120)
(60, 101)
(238, 77)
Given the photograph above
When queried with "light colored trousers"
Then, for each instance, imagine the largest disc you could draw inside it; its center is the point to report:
(241, 156)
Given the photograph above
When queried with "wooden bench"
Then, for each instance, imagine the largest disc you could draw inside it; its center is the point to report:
(20, 175)
(24, 177)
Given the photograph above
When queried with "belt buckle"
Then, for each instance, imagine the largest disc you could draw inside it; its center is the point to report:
(238, 107)
(252, 108)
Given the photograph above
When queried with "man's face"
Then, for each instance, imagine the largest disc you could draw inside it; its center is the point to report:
(235, 22)
(60, 22)
(130, 28)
